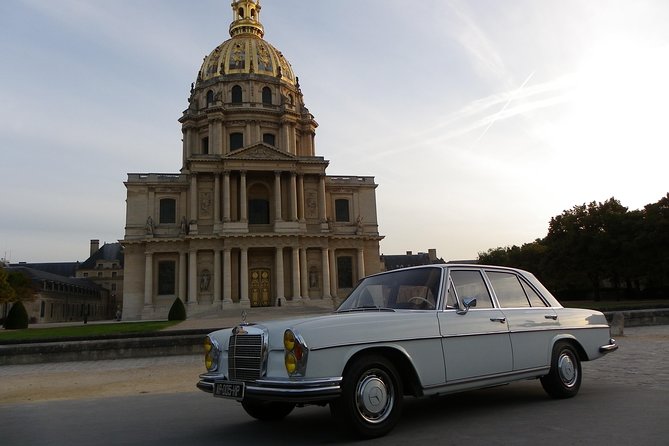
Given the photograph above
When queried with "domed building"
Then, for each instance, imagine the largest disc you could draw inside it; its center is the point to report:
(252, 219)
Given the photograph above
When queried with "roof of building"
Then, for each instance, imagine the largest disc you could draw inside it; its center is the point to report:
(40, 276)
(246, 51)
(108, 251)
(406, 260)
(64, 269)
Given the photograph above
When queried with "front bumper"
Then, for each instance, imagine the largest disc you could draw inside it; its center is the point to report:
(610, 347)
(290, 390)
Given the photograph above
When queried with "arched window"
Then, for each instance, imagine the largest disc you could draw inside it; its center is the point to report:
(240, 13)
(236, 141)
(267, 96)
(210, 97)
(269, 138)
(168, 210)
(236, 94)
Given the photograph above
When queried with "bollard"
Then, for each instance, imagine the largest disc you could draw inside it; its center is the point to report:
(618, 324)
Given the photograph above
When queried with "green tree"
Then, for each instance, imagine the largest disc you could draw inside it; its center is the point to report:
(7, 293)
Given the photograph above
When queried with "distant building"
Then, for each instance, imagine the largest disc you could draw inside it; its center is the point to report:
(251, 218)
(104, 267)
(59, 298)
(74, 291)
(391, 262)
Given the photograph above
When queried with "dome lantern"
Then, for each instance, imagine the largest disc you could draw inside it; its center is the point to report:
(246, 18)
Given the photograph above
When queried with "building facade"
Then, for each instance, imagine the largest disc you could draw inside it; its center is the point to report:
(104, 267)
(252, 218)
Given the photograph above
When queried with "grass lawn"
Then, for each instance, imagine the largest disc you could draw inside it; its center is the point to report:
(84, 331)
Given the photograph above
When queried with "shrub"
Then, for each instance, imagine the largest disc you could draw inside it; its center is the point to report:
(177, 311)
(17, 318)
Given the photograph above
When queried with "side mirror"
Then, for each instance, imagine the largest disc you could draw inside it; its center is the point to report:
(468, 302)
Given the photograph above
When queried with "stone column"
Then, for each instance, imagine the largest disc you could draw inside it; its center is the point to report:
(193, 200)
(296, 274)
(192, 276)
(183, 281)
(300, 197)
(326, 273)
(226, 196)
(217, 198)
(244, 217)
(217, 276)
(277, 196)
(293, 196)
(227, 276)
(148, 279)
(333, 274)
(304, 274)
(280, 289)
(361, 263)
(244, 278)
(321, 199)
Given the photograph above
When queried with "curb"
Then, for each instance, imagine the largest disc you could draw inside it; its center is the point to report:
(190, 342)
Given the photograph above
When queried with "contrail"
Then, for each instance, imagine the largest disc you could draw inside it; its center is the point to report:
(511, 98)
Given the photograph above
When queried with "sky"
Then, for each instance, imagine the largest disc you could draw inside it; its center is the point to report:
(479, 119)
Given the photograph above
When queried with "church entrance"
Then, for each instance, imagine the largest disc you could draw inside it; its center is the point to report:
(260, 287)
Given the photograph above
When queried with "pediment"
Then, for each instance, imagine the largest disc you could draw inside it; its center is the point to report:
(260, 151)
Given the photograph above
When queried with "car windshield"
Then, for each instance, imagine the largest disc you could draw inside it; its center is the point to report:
(410, 289)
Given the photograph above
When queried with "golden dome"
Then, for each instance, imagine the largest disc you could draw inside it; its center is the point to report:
(246, 51)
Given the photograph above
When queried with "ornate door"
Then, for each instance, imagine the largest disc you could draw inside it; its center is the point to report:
(260, 287)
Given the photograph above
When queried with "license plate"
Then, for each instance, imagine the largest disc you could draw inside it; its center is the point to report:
(229, 389)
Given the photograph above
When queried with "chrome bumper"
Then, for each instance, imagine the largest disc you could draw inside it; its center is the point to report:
(296, 391)
(610, 347)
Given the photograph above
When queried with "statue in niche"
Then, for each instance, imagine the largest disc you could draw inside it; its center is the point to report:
(205, 278)
(313, 278)
(359, 224)
(149, 226)
(183, 229)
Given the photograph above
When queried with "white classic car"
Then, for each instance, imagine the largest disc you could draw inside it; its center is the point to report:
(421, 331)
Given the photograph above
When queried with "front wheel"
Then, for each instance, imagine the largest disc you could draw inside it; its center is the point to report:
(268, 410)
(371, 399)
(564, 378)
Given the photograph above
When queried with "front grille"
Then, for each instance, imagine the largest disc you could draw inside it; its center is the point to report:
(245, 357)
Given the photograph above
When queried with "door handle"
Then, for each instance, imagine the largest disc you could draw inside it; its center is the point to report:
(551, 316)
(498, 319)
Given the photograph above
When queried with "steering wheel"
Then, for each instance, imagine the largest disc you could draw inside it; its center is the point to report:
(430, 305)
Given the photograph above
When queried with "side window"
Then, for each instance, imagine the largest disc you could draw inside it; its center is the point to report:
(470, 284)
(168, 211)
(508, 290)
(166, 277)
(267, 96)
(533, 296)
(341, 210)
(451, 300)
(236, 94)
(236, 141)
(269, 138)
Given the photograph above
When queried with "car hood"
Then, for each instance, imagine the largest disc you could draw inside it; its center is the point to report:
(354, 328)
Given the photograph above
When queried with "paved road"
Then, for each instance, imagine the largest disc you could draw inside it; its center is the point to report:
(624, 400)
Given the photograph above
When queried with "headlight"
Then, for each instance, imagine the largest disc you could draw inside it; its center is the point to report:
(211, 353)
(295, 356)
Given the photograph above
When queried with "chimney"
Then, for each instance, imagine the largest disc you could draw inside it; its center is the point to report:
(409, 253)
(95, 245)
(432, 254)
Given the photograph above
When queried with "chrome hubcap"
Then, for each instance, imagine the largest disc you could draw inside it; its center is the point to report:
(567, 369)
(374, 398)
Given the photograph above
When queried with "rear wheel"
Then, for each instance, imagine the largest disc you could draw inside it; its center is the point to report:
(564, 378)
(371, 399)
(268, 410)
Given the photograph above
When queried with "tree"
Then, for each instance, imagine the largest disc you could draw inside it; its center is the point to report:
(7, 293)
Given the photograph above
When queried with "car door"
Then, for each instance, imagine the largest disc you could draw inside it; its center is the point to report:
(475, 341)
(531, 321)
